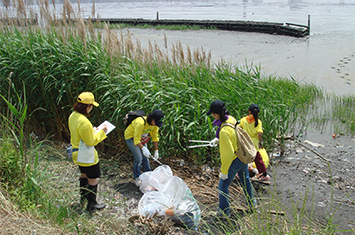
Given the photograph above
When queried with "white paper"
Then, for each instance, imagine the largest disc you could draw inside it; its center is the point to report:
(109, 125)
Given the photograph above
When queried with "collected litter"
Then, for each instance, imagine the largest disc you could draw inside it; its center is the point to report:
(316, 145)
(169, 196)
(318, 154)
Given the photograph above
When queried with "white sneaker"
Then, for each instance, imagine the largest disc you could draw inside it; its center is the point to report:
(137, 182)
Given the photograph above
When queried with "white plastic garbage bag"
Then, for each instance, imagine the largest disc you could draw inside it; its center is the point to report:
(151, 202)
(173, 197)
(146, 186)
(155, 180)
(160, 176)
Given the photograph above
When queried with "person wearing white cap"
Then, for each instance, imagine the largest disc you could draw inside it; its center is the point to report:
(137, 136)
(231, 164)
(82, 133)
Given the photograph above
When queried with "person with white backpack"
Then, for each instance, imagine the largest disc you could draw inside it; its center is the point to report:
(231, 164)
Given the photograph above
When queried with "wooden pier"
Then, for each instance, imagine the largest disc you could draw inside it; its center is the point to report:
(289, 29)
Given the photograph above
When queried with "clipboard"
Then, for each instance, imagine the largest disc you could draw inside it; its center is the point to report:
(109, 125)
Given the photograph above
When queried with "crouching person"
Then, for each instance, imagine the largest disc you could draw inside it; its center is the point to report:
(137, 137)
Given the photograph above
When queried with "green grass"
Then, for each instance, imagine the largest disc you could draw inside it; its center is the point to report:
(149, 26)
(58, 62)
(343, 114)
(56, 71)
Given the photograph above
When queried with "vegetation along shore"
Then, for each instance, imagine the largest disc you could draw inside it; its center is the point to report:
(43, 69)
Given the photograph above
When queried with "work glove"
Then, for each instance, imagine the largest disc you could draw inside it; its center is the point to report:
(156, 155)
(146, 152)
(214, 142)
(223, 177)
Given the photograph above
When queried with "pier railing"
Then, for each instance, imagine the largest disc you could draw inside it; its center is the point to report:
(289, 29)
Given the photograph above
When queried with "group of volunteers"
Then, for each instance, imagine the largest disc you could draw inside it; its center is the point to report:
(228, 146)
(83, 134)
(137, 135)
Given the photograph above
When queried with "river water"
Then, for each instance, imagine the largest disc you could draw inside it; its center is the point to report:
(325, 58)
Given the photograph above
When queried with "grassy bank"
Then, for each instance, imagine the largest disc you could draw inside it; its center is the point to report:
(57, 63)
(148, 26)
(43, 69)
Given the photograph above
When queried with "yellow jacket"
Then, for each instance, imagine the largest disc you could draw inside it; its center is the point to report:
(228, 145)
(138, 127)
(81, 128)
(252, 130)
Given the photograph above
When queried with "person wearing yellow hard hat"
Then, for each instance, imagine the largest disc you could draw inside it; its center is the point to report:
(83, 138)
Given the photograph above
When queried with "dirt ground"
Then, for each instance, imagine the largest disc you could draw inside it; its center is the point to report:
(320, 173)
(313, 177)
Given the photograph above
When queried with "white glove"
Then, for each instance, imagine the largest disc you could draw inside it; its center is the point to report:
(146, 152)
(214, 142)
(156, 155)
(223, 177)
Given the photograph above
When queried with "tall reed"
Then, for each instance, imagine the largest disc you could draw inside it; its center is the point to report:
(66, 57)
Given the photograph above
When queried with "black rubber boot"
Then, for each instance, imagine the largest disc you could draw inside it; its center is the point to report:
(84, 183)
(92, 203)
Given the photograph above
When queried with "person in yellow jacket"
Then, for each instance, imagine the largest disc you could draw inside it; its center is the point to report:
(253, 126)
(231, 165)
(82, 133)
(137, 137)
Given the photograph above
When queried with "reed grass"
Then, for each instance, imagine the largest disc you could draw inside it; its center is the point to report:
(101, 25)
(59, 62)
(59, 59)
(343, 114)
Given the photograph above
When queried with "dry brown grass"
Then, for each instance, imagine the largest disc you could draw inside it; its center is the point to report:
(70, 23)
(14, 221)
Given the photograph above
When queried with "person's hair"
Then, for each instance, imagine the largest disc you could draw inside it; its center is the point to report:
(223, 117)
(149, 118)
(255, 113)
(81, 108)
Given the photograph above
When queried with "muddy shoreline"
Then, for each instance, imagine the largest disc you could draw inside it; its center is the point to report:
(321, 176)
(327, 61)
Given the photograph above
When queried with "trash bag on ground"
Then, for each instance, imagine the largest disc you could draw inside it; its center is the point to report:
(168, 195)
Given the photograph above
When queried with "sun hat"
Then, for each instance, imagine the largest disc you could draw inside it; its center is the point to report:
(254, 106)
(217, 106)
(87, 98)
(158, 115)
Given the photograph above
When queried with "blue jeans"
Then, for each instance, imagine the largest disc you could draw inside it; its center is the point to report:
(242, 169)
(139, 159)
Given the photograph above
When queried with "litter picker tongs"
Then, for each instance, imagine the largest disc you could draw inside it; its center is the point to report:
(156, 160)
(205, 143)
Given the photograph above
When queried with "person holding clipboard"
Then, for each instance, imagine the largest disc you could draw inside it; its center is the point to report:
(83, 138)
